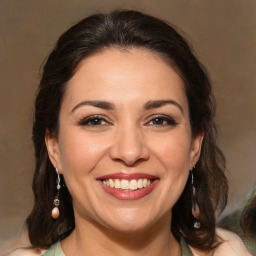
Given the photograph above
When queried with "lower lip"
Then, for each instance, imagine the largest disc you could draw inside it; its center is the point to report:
(131, 194)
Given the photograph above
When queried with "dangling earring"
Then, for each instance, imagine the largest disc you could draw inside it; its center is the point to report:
(195, 207)
(56, 201)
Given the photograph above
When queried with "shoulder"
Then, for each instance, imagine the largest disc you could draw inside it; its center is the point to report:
(231, 245)
(25, 252)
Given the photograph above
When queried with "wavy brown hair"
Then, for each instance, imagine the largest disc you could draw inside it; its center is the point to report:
(127, 29)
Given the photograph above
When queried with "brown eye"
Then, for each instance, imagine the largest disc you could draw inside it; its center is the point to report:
(93, 121)
(162, 121)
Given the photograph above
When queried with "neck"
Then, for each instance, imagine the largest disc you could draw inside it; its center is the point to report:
(90, 239)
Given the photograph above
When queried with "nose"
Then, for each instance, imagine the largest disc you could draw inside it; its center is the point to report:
(129, 146)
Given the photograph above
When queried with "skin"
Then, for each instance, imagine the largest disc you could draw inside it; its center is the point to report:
(129, 139)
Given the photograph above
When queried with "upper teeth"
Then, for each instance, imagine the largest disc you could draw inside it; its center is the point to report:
(127, 184)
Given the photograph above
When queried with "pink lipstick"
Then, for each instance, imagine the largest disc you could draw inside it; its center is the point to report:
(131, 186)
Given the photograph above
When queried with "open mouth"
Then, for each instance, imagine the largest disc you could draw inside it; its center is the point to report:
(128, 185)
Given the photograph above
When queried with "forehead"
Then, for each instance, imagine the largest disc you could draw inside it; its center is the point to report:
(125, 75)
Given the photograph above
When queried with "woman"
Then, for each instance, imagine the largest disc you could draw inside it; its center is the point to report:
(248, 223)
(124, 136)
(243, 221)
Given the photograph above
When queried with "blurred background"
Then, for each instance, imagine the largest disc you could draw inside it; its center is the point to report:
(223, 34)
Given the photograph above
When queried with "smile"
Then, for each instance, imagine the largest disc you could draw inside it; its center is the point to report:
(128, 186)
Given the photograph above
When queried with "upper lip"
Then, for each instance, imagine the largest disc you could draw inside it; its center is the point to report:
(127, 176)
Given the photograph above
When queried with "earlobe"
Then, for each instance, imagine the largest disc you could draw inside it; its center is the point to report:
(196, 149)
(52, 146)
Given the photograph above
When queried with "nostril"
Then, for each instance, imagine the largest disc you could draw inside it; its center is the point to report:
(129, 151)
(130, 163)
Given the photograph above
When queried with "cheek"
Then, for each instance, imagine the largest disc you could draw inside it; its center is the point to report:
(173, 152)
(79, 157)
(80, 154)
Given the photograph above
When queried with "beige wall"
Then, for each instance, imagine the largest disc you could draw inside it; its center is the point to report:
(224, 37)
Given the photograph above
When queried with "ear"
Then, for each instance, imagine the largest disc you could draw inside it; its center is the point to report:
(53, 149)
(196, 149)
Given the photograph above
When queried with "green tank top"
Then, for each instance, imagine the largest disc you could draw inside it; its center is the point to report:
(56, 250)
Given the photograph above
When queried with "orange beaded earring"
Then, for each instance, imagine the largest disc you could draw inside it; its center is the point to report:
(195, 207)
(56, 201)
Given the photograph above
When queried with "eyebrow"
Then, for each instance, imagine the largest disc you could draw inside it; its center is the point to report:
(160, 103)
(94, 103)
(110, 106)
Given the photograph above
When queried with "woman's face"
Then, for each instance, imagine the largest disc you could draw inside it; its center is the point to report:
(125, 146)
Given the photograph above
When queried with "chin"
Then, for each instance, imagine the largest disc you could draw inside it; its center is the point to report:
(130, 223)
(130, 228)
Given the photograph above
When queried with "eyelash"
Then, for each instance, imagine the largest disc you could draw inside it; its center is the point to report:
(97, 121)
(165, 120)
(88, 121)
